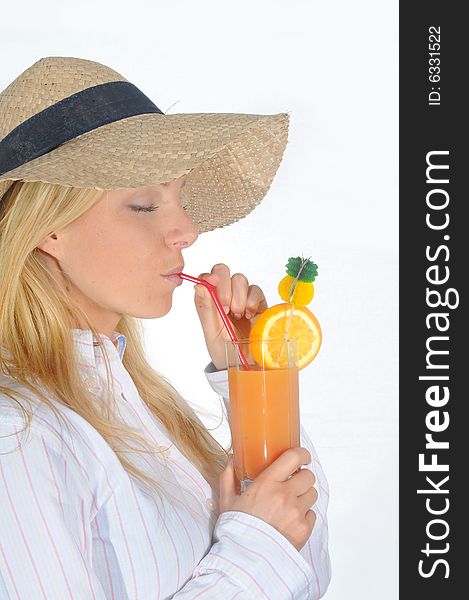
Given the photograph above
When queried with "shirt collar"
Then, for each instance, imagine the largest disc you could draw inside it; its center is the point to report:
(87, 342)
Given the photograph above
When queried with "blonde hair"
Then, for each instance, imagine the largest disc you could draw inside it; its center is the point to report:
(36, 315)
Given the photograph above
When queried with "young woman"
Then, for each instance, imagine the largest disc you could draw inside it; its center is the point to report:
(110, 485)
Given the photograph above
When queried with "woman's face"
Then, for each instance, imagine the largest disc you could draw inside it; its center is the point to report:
(114, 255)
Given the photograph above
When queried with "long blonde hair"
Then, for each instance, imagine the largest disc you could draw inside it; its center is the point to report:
(36, 315)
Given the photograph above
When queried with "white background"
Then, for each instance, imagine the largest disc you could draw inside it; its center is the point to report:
(333, 66)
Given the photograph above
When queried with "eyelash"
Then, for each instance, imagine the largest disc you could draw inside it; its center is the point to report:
(144, 208)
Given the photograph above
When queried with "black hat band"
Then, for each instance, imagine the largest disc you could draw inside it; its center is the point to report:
(71, 117)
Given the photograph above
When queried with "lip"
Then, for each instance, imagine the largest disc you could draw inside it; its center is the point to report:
(174, 271)
(175, 279)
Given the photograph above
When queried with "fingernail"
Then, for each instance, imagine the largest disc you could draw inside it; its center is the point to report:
(226, 309)
(248, 315)
(237, 315)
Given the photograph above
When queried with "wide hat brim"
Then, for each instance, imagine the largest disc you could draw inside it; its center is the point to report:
(229, 159)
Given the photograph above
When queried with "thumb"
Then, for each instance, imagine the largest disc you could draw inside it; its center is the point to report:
(202, 293)
(228, 485)
(203, 298)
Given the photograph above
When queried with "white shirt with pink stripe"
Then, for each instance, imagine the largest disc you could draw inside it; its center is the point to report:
(74, 524)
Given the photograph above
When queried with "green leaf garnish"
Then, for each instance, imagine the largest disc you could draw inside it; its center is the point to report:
(302, 269)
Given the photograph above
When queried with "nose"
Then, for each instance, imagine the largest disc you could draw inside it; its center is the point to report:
(184, 231)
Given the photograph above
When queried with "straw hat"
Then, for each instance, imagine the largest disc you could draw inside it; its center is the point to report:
(78, 122)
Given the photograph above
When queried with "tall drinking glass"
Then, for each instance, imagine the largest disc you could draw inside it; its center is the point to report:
(264, 404)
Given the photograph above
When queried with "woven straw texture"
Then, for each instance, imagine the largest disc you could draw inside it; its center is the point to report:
(230, 159)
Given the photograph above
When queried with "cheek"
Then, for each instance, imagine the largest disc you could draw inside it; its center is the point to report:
(118, 259)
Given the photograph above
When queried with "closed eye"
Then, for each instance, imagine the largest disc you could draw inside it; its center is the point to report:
(143, 208)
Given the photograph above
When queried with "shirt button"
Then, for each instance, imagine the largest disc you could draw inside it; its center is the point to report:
(211, 504)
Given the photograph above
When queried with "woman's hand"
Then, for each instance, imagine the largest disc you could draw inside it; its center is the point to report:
(280, 495)
(238, 297)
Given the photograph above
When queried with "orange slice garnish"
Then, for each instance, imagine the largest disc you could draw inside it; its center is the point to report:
(272, 324)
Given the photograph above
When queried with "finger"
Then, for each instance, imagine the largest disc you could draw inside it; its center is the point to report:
(308, 499)
(302, 481)
(223, 285)
(310, 517)
(227, 485)
(239, 294)
(255, 302)
(286, 464)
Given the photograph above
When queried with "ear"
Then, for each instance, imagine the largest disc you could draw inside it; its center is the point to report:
(50, 245)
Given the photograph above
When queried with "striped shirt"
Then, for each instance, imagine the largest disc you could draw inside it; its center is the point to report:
(74, 524)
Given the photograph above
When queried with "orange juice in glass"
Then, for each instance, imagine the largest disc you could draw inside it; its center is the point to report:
(264, 405)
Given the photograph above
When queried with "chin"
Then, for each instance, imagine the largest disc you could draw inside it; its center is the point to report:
(163, 312)
(153, 313)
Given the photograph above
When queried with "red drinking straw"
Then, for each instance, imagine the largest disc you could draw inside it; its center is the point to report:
(221, 312)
